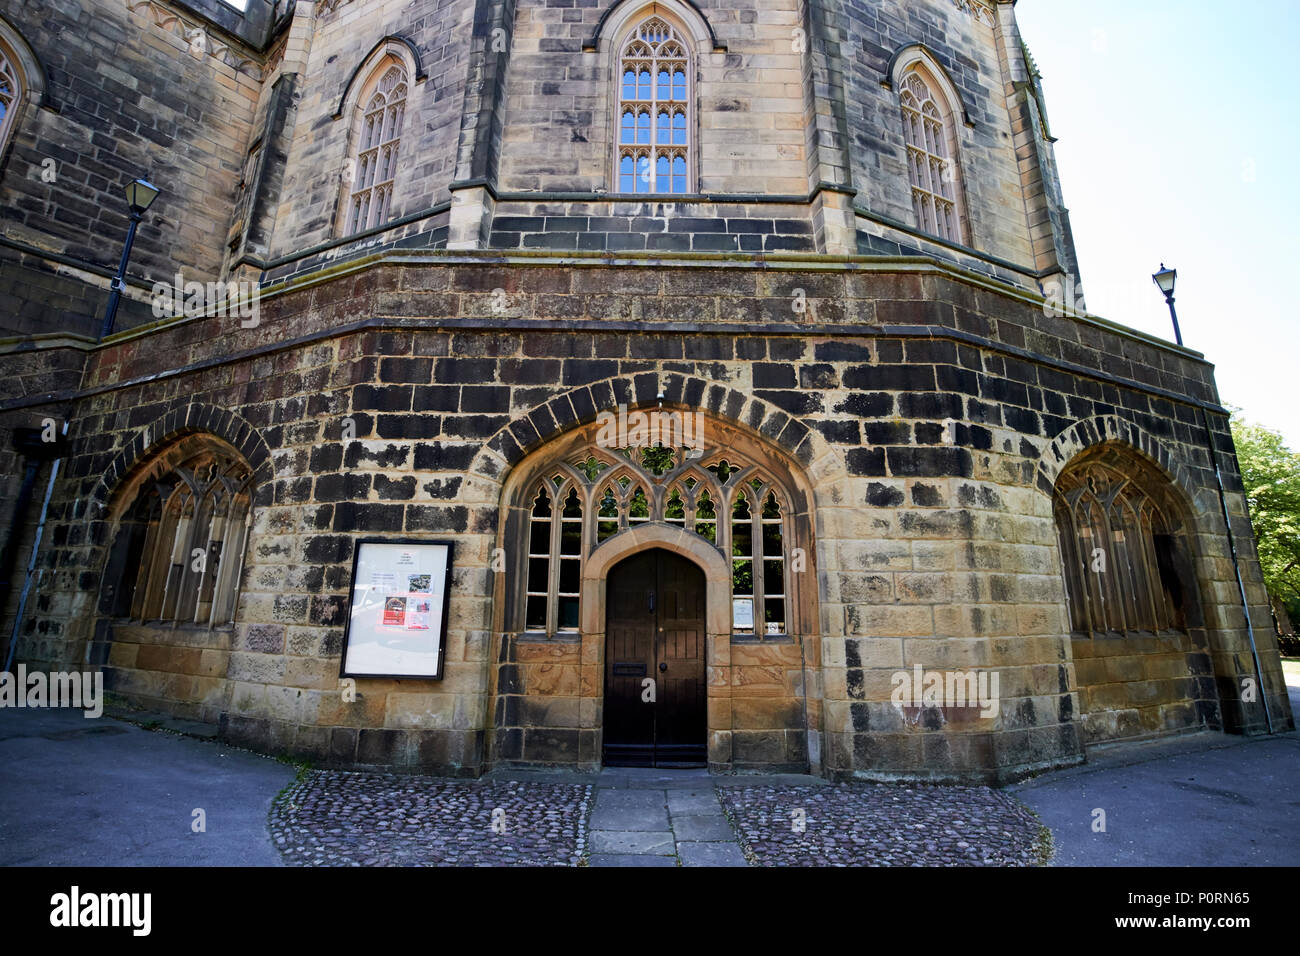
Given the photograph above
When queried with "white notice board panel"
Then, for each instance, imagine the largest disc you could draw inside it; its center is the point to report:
(397, 621)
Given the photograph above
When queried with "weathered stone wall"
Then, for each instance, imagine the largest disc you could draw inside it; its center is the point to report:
(129, 91)
(965, 47)
(341, 37)
(931, 413)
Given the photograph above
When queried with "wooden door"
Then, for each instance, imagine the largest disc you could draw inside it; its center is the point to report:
(655, 631)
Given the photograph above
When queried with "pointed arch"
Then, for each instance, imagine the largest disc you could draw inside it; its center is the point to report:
(1090, 432)
(907, 57)
(22, 82)
(932, 112)
(654, 73)
(375, 99)
(181, 527)
(616, 20)
(162, 431)
(394, 45)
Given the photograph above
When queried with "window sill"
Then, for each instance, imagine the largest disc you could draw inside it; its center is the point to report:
(540, 637)
(762, 638)
(170, 625)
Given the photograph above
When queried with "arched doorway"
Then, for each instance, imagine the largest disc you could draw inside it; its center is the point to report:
(735, 506)
(655, 680)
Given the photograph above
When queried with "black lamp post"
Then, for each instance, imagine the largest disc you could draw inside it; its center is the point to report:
(1164, 280)
(139, 196)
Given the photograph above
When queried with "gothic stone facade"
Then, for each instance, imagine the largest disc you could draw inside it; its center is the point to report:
(909, 458)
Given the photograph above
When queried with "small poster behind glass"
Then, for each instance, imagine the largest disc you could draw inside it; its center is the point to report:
(397, 621)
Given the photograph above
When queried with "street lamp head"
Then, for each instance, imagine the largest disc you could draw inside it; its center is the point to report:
(140, 195)
(1165, 280)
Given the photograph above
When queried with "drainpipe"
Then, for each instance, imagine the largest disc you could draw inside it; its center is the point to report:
(27, 441)
(807, 731)
(1236, 566)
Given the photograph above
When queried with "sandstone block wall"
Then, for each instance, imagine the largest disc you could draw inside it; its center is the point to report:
(930, 414)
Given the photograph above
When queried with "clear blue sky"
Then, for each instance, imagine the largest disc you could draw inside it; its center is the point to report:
(1178, 143)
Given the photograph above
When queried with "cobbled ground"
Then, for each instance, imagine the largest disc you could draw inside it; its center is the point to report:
(334, 818)
(337, 818)
(883, 825)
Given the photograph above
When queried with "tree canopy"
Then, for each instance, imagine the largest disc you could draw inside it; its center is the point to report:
(1270, 472)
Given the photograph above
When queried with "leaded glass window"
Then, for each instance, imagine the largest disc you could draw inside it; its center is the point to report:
(654, 109)
(931, 158)
(10, 92)
(730, 502)
(180, 546)
(373, 171)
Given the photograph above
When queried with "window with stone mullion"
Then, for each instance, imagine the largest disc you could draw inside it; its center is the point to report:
(1114, 584)
(931, 168)
(377, 150)
(653, 155)
(10, 90)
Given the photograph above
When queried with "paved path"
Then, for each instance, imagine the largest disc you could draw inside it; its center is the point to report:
(101, 792)
(660, 818)
(1205, 800)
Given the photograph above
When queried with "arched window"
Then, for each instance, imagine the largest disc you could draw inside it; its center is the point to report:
(929, 128)
(1121, 545)
(180, 543)
(654, 110)
(372, 170)
(597, 493)
(11, 92)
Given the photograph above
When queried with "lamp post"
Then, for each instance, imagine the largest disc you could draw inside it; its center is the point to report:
(1164, 280)
(139, 197)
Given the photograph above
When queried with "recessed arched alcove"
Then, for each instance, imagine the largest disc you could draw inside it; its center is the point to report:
(1139, 641)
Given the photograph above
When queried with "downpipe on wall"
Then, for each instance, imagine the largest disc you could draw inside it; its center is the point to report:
(1236, 567)
(55, 454)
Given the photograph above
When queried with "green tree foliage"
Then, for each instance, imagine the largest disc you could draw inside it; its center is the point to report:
(1270, 473)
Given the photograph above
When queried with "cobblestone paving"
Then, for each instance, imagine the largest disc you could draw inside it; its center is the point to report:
(333, 818)
(883, 825)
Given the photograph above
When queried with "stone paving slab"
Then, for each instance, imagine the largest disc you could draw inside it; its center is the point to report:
(692, 801)
(638, 778)
(698, 828)
(630, 860)
(646, 800)
(711, 854)
(655, 843)
(628, 818)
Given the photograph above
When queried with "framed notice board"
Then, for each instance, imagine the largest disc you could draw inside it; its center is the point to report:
(397, 618)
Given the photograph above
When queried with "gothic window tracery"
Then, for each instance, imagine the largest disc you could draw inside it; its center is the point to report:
(372, 171)
(11, 91)
(1120, 540)
(654, 90)
(932, 161)
(180, 546)
(728, 500)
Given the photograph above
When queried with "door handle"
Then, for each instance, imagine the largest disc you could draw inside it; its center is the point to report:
(663, 668)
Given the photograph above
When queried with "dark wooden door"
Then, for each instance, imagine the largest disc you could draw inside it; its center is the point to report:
(655, 630)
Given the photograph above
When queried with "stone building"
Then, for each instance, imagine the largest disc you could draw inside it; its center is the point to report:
(823, 241)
